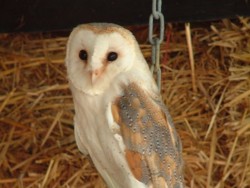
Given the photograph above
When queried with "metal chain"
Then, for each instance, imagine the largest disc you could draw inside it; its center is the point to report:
(156, 40)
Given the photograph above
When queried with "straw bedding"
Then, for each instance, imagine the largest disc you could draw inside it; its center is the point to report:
(211, 111)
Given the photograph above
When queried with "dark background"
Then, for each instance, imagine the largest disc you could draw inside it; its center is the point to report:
(49, 15)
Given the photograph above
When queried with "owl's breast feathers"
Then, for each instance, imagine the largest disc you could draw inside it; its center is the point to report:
(152, 146)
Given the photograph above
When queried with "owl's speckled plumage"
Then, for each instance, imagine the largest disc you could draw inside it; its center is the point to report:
(149, 137)
(120, 120)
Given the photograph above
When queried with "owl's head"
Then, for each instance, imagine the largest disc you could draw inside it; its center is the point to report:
(97, 54)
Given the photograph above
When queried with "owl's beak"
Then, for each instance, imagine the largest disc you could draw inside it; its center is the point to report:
(95, 74)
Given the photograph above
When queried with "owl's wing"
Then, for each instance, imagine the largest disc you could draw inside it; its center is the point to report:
(152, 146)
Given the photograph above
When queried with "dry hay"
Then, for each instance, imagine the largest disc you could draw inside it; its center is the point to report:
(212, 114)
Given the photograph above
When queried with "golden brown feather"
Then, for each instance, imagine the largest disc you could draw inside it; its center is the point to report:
(152, 145)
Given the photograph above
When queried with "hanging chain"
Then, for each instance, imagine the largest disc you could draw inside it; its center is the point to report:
(156, 41)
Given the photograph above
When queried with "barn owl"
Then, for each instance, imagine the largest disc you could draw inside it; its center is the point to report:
(120, 120)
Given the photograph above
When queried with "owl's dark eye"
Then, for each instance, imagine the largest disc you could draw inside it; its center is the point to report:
(112, 56)
(83, 55)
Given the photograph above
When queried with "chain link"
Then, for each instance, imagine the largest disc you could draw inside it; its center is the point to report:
(156, 40)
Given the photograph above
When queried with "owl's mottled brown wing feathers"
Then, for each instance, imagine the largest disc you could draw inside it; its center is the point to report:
(153, 149)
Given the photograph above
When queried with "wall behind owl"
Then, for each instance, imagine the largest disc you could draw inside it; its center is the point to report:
(48, 15)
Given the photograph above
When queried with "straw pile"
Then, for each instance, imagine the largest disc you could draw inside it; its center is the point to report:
(211, 111)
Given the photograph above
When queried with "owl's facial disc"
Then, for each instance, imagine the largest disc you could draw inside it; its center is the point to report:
(104, 57)
(95, 60)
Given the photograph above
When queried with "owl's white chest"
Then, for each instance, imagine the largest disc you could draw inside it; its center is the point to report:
(95, 137)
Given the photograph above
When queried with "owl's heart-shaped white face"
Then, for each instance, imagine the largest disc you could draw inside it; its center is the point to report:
(95, 57)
